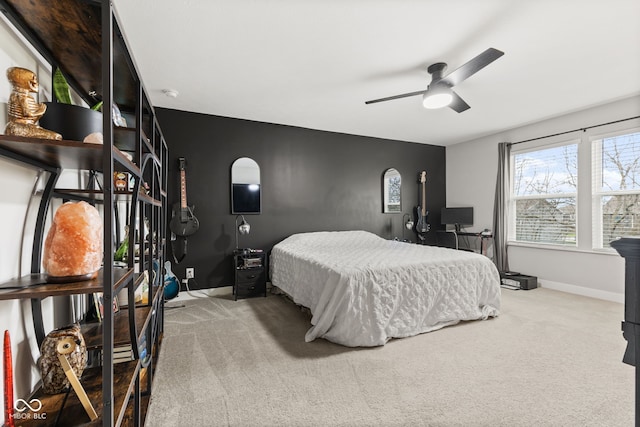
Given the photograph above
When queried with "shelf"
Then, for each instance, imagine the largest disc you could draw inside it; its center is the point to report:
(36, 286)
(92, 195)
(150, 200)
(71, 35)
(63, 154)
(98, 196)
(70, 412)
(92, 332)
(128, 416)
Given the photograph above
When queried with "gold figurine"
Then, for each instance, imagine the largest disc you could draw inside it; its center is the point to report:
(24, 111)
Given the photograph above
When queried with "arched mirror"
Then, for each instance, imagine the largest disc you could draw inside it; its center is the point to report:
(245, 187)
(391, 191)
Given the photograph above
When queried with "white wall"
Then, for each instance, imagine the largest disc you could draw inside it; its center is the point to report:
(471, 180)
(16, 185)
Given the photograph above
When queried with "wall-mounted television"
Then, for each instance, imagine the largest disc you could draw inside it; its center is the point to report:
(245, 199)
(456, 216)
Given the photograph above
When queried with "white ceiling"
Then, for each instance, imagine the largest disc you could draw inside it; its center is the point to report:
(313, 63)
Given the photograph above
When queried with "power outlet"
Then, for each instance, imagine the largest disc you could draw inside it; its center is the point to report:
(191, 273)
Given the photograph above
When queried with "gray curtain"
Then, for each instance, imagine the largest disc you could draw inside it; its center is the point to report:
(500, 207)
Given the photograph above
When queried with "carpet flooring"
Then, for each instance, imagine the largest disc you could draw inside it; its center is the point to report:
(549, 359)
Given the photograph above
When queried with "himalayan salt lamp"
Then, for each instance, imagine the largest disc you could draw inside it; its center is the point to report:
(73, 248)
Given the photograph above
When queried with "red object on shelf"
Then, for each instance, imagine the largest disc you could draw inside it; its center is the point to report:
(8, 382)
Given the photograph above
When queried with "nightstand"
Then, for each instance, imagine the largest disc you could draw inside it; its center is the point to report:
(250, 273)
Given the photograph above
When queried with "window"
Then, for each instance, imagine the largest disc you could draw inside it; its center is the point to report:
(391, 191)
(577, 194)
(544, 195)
(616, 188)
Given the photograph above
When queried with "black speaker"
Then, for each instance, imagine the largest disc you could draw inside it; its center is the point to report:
(519, 280)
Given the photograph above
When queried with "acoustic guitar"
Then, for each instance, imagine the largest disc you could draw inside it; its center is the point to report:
(422, 226)
(183, 222)
(171, 285)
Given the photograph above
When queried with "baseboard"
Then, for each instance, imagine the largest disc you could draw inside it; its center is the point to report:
(579, 290)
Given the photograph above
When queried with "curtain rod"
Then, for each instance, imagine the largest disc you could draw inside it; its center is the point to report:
(575, 130)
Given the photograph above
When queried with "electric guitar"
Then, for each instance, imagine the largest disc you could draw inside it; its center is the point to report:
(422, 226)
(183, 222)
(171, 285)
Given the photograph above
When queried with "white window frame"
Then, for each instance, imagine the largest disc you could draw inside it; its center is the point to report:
(588, 235)
(597, 193)
(513, 199)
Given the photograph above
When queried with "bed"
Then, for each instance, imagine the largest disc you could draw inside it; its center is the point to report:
(363, 290)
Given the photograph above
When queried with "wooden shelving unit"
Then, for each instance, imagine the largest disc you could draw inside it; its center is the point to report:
(84, 39)
(65, 409)
(35, 285)
(92, 331)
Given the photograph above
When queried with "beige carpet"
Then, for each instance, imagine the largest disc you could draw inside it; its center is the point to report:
(550, 359)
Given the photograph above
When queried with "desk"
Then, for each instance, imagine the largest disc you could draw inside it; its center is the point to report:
(485, 238)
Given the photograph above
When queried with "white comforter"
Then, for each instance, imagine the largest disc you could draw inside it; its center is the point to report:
(364, 290)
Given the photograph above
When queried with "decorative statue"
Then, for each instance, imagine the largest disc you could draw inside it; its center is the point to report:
(69, 343)
(24, 111)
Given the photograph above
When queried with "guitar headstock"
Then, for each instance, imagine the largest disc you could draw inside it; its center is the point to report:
(182, 163)
(423, 176)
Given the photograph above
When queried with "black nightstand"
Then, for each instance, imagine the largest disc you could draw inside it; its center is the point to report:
(250, 273)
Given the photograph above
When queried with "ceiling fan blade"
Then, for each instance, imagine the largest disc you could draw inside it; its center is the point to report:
(389, 98)
(457, 104)
(473, 66)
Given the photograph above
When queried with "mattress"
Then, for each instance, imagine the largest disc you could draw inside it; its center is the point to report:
(363, 290)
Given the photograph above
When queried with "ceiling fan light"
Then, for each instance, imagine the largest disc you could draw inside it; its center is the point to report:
(433, 99)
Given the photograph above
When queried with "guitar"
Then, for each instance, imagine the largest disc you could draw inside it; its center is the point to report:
(183, 222)
(422, 226)
(171, 284)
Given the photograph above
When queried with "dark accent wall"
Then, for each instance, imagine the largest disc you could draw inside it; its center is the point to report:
(311, 181)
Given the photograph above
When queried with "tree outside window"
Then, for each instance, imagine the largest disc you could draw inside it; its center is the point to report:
(545, 187)
(616, 188)
(544, 194)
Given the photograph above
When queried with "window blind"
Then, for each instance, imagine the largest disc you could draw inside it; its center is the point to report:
(544, 193)
(616, 188)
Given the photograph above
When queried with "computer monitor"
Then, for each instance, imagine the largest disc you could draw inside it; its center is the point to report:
(456, 216)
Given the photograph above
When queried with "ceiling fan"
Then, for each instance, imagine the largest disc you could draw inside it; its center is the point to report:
(439, 93)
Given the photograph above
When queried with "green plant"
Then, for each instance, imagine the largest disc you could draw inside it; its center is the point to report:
(63, 93)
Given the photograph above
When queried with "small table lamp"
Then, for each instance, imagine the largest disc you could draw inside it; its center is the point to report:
(408, 224)
(243, 228)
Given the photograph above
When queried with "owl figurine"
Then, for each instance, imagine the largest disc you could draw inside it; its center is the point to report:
(69, 342)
